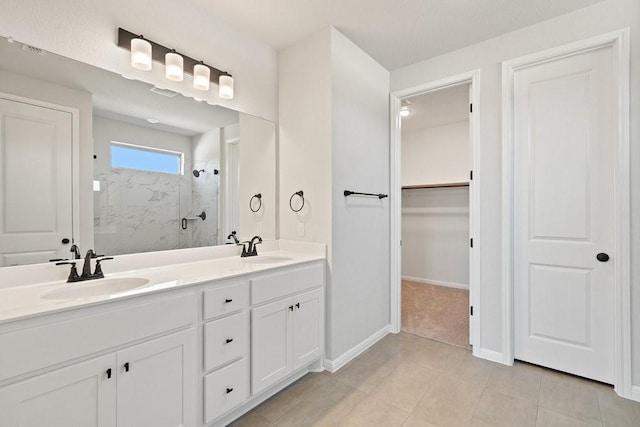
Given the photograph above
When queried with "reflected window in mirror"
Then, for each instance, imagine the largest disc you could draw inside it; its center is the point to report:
(129, 156)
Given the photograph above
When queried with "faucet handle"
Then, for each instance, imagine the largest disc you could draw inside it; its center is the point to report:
(98, 274)
(73, 274)
(245, 252)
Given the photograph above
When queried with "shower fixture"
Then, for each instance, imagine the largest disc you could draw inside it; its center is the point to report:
(197, 172)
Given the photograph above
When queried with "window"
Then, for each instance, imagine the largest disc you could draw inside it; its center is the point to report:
(130, 156)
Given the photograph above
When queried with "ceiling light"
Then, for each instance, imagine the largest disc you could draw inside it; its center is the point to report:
(140, 54)
(154, 121)
(174, 66)
(201, 76)
(225, 90)
(405, 111)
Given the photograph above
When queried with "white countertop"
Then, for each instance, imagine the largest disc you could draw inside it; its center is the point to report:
(24, 301)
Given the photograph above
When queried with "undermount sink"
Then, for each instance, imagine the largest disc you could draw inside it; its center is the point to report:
(265, 259)
(95, 288)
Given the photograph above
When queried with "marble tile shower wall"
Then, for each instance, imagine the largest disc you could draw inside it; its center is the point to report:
(205, 199)
(138, 211)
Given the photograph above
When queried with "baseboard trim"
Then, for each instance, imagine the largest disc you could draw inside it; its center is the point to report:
(349, 355)
(436, 282)
(635, 393)
(493, 356)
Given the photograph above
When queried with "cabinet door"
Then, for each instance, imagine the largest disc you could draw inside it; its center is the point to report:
(307, 327)
(157, 382)
(270, 343)
(78, 395)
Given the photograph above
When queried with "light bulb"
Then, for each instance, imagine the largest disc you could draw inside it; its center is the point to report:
(201, 76)
(225, 90)
(173, 67)
(404, 111)
(140, 54)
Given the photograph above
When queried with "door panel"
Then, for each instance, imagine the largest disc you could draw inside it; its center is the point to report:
(564, 151)
(156, 387)
(79, 395)
(35, 182)
(270, 344)
(306, 327)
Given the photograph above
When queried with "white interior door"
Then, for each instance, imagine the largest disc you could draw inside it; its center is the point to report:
(35, 183)
(564, 160)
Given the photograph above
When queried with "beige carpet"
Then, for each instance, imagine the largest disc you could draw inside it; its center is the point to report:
(436, 312)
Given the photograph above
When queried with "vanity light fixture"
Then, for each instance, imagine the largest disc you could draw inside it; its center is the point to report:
(225, 90)
(201, 76)
(174, 66)
(141, 52)
(144, 51)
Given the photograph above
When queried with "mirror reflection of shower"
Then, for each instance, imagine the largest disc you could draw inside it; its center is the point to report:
(197, 172)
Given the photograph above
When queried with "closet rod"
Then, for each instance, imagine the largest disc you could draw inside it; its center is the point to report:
(445, 185)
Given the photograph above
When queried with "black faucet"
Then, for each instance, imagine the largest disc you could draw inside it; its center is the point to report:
(251, 249)
(234, 237)
(86, 268)
(75, 250)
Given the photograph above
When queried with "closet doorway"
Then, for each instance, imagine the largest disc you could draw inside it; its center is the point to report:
(434, 218)
(435, 169)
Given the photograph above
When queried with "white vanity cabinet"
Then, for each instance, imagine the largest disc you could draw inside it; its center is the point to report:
(151, 383)
(286, 333)
(225, 347)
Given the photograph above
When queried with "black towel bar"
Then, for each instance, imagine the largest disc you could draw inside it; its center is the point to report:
(348, 193)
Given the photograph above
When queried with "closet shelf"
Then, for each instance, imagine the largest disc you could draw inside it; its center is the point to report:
(443, 185)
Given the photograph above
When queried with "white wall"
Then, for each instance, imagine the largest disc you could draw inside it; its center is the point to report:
(435, 222)
(359, 293)
(257, 175)
(305, 137)
(86, 30)
(44, 91)
(436, 155)
(601, 18)
(333, 136)
(435, 235)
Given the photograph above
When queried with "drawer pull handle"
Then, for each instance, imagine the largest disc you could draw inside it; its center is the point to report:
(229, 340)
(109, 373)
(291, 308)
(229, 390)
(228, 300)
(126, 367)
(298, 305)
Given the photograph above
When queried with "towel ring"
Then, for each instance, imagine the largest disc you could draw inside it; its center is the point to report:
(299, 194)
(259, 198)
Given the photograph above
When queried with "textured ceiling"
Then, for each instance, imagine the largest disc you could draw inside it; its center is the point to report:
(394, 32)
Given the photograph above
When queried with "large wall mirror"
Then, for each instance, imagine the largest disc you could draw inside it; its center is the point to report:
(168, 171)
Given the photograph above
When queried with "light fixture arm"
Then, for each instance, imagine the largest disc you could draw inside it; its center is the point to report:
(159, 51)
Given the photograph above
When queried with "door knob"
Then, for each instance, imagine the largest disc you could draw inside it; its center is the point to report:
(602, 257)
(65, 241)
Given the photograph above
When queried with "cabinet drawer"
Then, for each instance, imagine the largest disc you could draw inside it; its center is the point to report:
(225, 299)
(225, 339)
(269, 287)
(225, 389)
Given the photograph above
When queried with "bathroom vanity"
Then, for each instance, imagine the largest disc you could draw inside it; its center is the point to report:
(189, 344)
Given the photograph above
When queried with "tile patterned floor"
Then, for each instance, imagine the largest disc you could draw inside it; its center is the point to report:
(405, 380)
